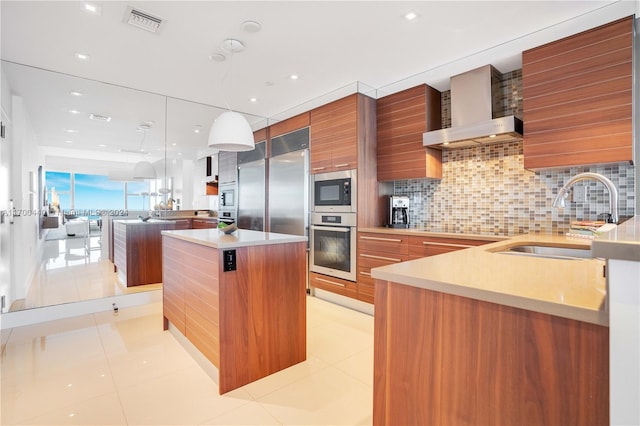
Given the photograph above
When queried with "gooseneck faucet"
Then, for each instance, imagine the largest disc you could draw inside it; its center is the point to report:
(613, 192)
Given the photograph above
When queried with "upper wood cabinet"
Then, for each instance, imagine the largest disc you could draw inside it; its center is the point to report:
(334, 136)
(578, 98)
(289, 125)
(402, 118)
(260, 135)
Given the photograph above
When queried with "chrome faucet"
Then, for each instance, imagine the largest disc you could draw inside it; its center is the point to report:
(613, 192)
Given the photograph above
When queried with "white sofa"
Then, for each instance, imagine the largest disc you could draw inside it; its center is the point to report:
(77, 227)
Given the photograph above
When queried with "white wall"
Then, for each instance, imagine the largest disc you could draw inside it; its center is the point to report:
(25, 241)
(5, 180)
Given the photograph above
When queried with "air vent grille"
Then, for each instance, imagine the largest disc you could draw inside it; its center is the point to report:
(99, 117)
(141, 19)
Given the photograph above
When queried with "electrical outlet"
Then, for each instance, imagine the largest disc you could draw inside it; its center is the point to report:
(579, 194)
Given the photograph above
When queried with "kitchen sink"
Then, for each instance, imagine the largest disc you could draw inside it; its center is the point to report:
(549, 252)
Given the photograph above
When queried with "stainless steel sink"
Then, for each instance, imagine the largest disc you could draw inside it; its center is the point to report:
(550, 252)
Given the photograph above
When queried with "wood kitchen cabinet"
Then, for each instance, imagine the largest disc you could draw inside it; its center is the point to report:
(289, 125)
(420, 246)
(476, 362)
(338, 131)
(377, 250)
(577, 98)
(182, 223)
(204, 223)
(333, 284)
(402, 118)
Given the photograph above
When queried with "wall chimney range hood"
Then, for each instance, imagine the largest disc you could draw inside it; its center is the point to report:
(476, 99)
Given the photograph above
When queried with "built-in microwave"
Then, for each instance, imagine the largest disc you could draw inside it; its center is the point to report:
(334, 192)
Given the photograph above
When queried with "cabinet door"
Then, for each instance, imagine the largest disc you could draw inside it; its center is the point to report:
(577, 95)
(374, 250)
(289, 125)
(332, 284)
(402, 118)
(334, 136)
(430, 246)
(204, 224)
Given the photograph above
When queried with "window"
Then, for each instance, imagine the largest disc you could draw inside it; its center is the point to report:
(58, 186)
(137, 195)
(97, 192)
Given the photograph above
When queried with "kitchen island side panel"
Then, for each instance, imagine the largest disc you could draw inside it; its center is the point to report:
(476, 362)
(262, 313)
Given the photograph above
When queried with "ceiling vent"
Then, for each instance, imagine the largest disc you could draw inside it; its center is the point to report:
(141, 19)
(98, 117)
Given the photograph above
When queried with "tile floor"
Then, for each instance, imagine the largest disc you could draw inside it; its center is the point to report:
(70, 273)
(122, 368)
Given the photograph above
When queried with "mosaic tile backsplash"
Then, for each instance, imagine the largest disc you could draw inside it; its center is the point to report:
(486, 190)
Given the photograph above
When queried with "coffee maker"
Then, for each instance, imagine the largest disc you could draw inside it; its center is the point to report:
(398, 211)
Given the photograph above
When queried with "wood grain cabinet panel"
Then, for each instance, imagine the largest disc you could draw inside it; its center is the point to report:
(334, 135)
(475, 362)
(374, 250)
(333, 284)
(430, 246)
(577, 95)
(289, 125)
(402, 118)
(204, 223)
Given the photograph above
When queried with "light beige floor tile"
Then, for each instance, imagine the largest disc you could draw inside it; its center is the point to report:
(359, 366)
(47, 388)
(278, 380)
(148, 359)
(334, 342)
(329, 397)
(102, 410)
(188, 396)
(252, 413)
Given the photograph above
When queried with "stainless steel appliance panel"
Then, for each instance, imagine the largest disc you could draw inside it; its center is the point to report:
(333, 245)
(335, 192)
(289, 193)
(251, 195)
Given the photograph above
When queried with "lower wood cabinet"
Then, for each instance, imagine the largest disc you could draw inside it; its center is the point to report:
(430, 246)
(334, 285)
(377, 250)
(182, 223)
(441, 359)
(204, 223)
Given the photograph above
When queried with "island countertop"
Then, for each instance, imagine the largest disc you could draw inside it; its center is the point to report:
(622, 243)
(574, 289)
(240, 238)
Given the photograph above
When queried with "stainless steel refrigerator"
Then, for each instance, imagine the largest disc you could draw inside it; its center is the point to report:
(252, 188)
(284, 200)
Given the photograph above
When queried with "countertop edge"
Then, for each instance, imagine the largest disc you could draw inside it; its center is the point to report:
(621, 243)
(423, 233)
(212, 238)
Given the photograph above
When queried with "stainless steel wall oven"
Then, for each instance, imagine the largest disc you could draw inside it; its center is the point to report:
(333, 244)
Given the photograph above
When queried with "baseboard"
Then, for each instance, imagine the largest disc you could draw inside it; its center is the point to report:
(74, 309)
(347, 302)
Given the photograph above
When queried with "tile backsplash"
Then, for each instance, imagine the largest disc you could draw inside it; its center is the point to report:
(486, 190)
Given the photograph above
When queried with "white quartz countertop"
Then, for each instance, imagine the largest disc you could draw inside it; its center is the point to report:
(622, 243)
(573, 289)
(240, 238)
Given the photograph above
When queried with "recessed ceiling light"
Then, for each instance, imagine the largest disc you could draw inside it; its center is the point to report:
(72, 131)
(232, 45)
(174, 144)
(68, 141)
(218, 57)
(410, 16)
(102, 145)
(253, 99)
(74, 93)
(179, 153)
(92, 8)
(294, 76)
(74, 111)
(83, 56)
(197, 128)
(251, 26)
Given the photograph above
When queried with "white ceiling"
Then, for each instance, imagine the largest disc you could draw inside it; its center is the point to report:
(335, 47)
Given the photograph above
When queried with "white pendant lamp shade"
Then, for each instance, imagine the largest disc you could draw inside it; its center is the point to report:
(144, 170)
(231, 132)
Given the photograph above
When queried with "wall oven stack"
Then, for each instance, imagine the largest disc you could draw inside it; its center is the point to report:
(333, 224)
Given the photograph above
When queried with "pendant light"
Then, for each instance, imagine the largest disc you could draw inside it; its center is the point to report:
(231, 131)
(144, 169)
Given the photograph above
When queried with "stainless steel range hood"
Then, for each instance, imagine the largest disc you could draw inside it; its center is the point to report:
(476, 98)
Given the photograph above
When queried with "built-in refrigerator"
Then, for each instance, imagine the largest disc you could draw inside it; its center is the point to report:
(289, 183)
(252, 188)
(275, 189)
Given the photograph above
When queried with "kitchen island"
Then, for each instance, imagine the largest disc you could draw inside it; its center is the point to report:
(240, 299)
(478, 336)
(137, 250)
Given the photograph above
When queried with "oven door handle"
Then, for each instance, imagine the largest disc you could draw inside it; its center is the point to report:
(345, 229)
